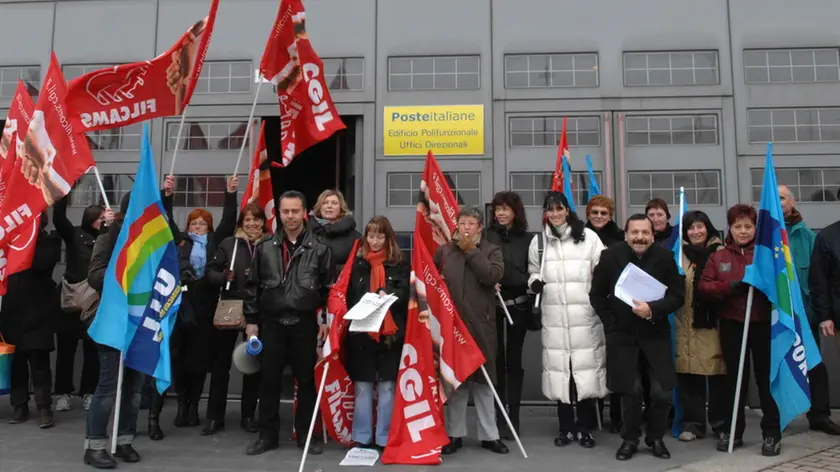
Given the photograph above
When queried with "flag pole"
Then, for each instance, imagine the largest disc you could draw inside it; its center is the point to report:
(233, 259)
(502, 409)
(504, 307)
(117, 404)
(248, 126)
(736, 401)
(101, 187)
(682, 215)
(178, 140)
(314, 416)
(542, 266)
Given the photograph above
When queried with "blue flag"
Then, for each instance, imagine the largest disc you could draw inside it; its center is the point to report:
(567, 184)
(793, 351)
(142, 288)
(678, 410)
(594, 188)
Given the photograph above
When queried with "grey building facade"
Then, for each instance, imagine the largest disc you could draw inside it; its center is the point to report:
(660, 93)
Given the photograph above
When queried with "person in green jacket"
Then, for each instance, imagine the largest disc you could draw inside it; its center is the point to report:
(801, 240)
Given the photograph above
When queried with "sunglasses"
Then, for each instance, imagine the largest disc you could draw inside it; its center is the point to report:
(599, 213)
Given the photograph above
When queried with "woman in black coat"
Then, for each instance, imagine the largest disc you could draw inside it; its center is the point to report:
(192, 340)
(27, 322)
(250, 229)
(332, 220)
(373, 358)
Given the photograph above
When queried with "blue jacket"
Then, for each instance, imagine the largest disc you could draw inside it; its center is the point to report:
(801, 240)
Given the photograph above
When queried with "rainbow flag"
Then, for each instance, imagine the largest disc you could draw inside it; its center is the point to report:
(142, 290)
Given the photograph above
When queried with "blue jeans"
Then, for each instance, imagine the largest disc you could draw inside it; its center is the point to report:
(363, 413)
(96, 431)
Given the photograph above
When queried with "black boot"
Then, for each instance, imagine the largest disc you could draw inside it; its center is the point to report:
(21, 415)
(192, 413)
(501, 424)
(47, 418)
(181, 414)
(515, 399)
(155, 407)
(99, 459)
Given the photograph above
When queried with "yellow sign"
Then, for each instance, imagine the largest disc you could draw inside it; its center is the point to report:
(446, 130)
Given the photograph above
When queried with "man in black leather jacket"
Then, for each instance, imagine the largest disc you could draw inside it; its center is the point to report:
(289, 282)
(824, 279)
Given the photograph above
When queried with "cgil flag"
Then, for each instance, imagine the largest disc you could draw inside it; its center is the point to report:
(793, 350)
(142, 288)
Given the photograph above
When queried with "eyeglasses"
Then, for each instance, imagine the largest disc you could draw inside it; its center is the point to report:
(599, 213)
(198, 223)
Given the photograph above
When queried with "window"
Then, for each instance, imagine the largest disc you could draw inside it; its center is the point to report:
(203, 191)
(538, 131)
(126, 138)
(75, 71)
(793, 125)
(225, 77)
(86, 190)
(701, 187)
(404, 188)
(554, 70)
(206, 136)
(671, 68)
(9, 77)
(345, 73)
(405, 241)
(532, 187)
(676, 130)
(781, 66)
(807, 185)
(434, 73)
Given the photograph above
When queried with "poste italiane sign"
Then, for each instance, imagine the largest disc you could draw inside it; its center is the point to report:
(443, 129)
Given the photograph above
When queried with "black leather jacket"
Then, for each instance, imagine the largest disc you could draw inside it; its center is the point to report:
(302, 290)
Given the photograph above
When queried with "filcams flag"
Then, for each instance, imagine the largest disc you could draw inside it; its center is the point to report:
(131, 93)
(307, 113)
(142, 289)
(793, 351)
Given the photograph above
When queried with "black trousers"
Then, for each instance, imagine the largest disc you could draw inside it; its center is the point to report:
(294, 346)
(189, 384)
(587, 420)
(34, 364)
(250, 394)
(656, 413)
(509, 372)
(65, 360)
(758, 347)
(615, 408)
(820, 411)
(692, 391)
(223, 342)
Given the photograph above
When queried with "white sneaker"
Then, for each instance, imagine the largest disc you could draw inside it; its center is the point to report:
(86, 401)
(62, 403)
(687, 436)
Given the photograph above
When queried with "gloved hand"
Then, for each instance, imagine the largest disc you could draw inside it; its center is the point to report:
(738, 287)
(537, 286)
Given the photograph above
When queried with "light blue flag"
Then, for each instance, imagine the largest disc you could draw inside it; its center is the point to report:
(678, 410)
(142, 288)
(594, 188)
(793, 350)
(567, 184)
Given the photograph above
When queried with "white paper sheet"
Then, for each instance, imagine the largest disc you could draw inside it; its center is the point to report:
(634, 283)
(367, 315)
(360, 457)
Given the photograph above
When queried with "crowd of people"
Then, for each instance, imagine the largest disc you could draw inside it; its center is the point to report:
(594, 345)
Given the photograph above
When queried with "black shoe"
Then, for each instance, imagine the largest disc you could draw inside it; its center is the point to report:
(615, 428)
(212, 427)
(21, 415)
(504, 431)
(563, 438)
(496, 446)
(771, 447)
(315, 448)
(827, 426)
(453, 446)
(659, 449)
(126, 453)
(181, 414)
(723, 444)
(587, 441)
(626, 451)
(99, 459)
(192, 415)
(47, 419)
(260, 446)
(155, 433)
(249, 425)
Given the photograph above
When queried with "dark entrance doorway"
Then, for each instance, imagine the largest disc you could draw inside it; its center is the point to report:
(330, 164)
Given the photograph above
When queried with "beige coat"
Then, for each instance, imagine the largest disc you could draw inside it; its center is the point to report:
(698, 350)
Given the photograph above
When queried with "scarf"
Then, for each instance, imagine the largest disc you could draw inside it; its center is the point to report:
(794, 217)
(198, 254)
(377, 282)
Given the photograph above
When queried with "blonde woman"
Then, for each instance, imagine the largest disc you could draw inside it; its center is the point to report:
(333, 221)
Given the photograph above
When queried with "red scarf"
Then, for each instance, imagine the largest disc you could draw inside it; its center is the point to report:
(377, 282)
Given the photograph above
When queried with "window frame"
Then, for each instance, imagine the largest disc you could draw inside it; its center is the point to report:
(329, 78)
(551, 71)
(171, 134)
(791, 66)
(571, 131)
(92, 195)
(795, 125)
(670, 194)
(208, 66)
(181, 196)
(671, 131)
(20, 76)
(694, 68)
(433, 74)
(451, 178)
(757, 180)
(580, 186)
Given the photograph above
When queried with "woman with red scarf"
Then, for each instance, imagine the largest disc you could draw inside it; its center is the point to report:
(378, 266)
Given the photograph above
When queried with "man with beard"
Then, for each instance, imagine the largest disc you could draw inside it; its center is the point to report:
(639, 337)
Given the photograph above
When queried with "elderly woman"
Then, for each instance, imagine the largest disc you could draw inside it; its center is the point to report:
(699, 360)
(722, 283)
(333, 221)
(574, 346)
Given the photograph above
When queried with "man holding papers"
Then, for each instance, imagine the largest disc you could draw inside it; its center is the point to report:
(639, 335)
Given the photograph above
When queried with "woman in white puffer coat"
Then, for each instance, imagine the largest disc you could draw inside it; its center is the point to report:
(574, 347)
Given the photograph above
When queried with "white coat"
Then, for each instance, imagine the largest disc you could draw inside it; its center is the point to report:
(572, 335)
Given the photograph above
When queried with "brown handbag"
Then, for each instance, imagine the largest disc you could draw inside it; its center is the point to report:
(229, 315)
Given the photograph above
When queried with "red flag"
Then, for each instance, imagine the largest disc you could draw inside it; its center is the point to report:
(562, 151)
(130, 93)
(259, 189)
(437, 210)
(307, 113)
(53, 155)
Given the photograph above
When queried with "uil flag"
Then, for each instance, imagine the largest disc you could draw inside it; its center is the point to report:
(567, 184)
(142, 288)
(793, 351)
(594, 188)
